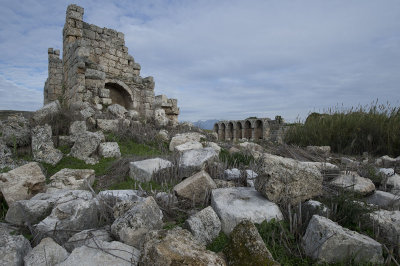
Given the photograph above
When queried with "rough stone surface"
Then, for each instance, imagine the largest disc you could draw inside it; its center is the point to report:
(188, 146)
(166, 200)
(28, 211)
(327, 241)
(311, 207)
(16, 131)
(86, 145)
(117, 110)
(393, 183)
(353, 182)
(22, 182)
(144, 171)
(87, 237)
(77, 127)
(103, 254)
(112, 197)
(387, 161)
(163, 135)
(384, 200)
(288, 181)
(13, 248)
(47, 111)
(196, 188)
(46, 253)
(176, 247)
(223, 183)
(109, 150)
(72, 179)
(213, 145)
(234, 205)
(232, 174)
(133, 225)
(160, 117)
(73, 210)
(43, 147)
(388, 225)
(193, 161)
(246, 247)
(108, 125)
(322, 150)
(328, 170)
(204, 225)
(6, 158)
(179, 139)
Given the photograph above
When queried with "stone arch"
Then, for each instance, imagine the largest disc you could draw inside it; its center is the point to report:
(216, 129)
(120, 93)
(239, 130)
(221, 134)
(247, 130)
(229, 131)
(258, 130)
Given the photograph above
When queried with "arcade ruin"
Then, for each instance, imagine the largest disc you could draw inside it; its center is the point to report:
(251, 129)
(96, 68)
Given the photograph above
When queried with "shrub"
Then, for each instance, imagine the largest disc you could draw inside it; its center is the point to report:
(372, 129)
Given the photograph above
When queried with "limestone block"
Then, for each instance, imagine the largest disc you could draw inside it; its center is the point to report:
(288, 181)
(114, 196)
(117, 110)
(16, 131)
(195, 188)
(327, 241)
(179, 139)
(30, 211)
(42, 146)
(47, 111)
(144, 170)
(160, 117)
(22, 183)
(13, 248)
(351, 181)
(188, 146)
(204, 225)
(232, 174)
(384, 200)
(132, 227)
(167, 247)
(236, 204)
(72, 179)
(109, 150)
(195, 160)
(87, 238)
(104, 93)
(47, 252)
(388, 225)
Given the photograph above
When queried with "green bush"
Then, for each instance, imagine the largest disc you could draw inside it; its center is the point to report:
(219, 243)
(374, 129)
(236, 159)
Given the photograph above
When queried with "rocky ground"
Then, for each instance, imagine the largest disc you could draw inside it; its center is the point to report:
(111, 189)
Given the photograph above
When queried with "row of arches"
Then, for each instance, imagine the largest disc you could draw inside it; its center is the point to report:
(254, 129)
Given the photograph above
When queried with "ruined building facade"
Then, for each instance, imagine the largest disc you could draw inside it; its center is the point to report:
(96, 68)
(251, 129)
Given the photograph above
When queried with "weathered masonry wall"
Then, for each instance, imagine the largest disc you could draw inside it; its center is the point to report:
(53, 88)
(170, 107)
(96, 68)
(250, 129)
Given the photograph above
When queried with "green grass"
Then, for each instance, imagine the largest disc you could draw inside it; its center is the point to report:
(130, 183)
(3, 209)
(219, 243)
(73, 163)
(131, 147)
(5, 170)
(236, 159)
(374, 129)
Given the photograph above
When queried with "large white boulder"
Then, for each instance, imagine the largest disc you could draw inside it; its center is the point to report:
(179, 139)
(109, 150)
(326, 241)
(232, 174)
(87, 237)
(103, 253)
(204, 225)
(132, 226)
(387, 223)
(384, 200)
(16, 131)
(112, 197)
(236, 204)
(190, 145)
(43, 147)
(144, 171)
(30, 211)
(22, 182)
(160, 117)
(196, 188)
(286, 180)
(85, 146)
(47, 111)
(393, 183)
(117, 110)
(13, 248)
(351, 181)
(193, 161)
(46, 253)
(75, 211)
(176, 246)
(213, 145)
(66, 178)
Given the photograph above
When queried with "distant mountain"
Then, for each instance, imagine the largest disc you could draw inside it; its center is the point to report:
(205, 124)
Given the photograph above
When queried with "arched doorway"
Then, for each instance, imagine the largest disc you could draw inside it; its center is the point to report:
(247, 129)
(258, 130)
(216, 129)
(239, 130)
(222, 132)
(229, 134)
(119, 95)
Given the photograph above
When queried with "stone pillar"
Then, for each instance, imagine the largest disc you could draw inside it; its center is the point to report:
(53, 88)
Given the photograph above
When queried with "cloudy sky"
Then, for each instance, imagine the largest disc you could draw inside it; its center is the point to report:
(223, 59)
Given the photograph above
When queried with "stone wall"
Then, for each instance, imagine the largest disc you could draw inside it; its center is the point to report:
(53, 88)
(98, 69)
(170, 107)
(250, 129)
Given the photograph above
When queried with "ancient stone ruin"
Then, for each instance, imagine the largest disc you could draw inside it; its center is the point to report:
(251, 129)
(96, 68)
